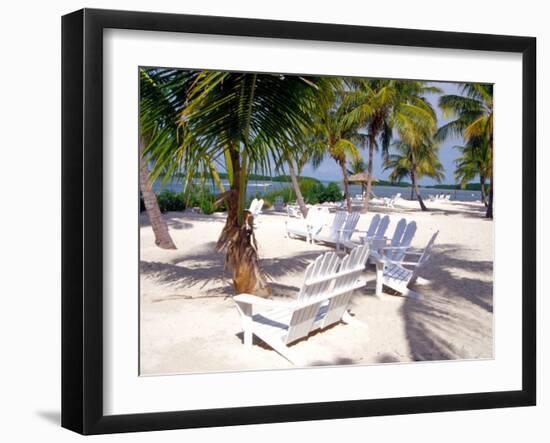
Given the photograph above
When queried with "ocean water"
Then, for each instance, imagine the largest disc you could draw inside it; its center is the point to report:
(258, 188)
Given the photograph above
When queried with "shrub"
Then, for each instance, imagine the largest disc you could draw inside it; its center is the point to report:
(170, 201)
(332, 193)
(175, 201)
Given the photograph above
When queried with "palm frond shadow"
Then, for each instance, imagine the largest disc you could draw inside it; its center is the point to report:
(428, 321)
(206, 266)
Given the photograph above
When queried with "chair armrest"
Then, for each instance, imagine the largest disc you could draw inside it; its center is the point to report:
(250, 299)
(395, 248)
(409, 263)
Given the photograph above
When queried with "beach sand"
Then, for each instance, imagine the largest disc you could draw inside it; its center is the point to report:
(189, 322)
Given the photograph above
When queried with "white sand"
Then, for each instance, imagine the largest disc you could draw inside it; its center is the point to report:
(190, 324)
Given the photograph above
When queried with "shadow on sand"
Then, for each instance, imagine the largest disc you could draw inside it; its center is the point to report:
(206, 266)
(427, 321)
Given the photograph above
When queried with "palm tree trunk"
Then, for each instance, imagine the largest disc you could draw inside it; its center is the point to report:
(483, 193)
(414, 182)
(237, 237)
(489, 213)
(369, 178)
(346, 185)
(296, 187)
(412, 188)
(158, 224)
(239, 243)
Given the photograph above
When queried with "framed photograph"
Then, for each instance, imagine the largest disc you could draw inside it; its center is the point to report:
(269, 221)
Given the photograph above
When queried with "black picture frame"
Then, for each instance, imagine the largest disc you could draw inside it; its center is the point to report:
(82, 217)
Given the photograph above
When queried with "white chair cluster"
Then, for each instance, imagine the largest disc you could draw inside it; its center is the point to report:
(439, 197)
(390, 201)
(388, 254)
(329, 283)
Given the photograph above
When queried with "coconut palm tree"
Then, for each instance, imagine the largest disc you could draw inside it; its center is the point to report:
(157, 122)
(415, 122)
(385, 106)
(474, 162)
(473, 118)
(336, 129)
(427, 164)
(245, 121)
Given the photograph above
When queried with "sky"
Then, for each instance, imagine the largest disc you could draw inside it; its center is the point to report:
(329, 170)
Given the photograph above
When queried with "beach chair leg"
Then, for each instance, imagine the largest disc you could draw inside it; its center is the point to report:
(379, 278)
(283, 350)
(246, 316)
(409, 293)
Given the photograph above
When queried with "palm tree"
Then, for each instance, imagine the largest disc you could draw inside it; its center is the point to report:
(401, 164)
(245, 121)
(336, 129)
(294, 179)
(385, 105)
(415, 121)
(474, 162)
(157, 117)
(473, 118)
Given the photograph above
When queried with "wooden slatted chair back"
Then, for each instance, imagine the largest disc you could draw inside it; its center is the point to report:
(373, 226)
(406, 241)
(382, 227)
(426, 254)
(398, 233)
(345, 282)
(337, 223)
(253, 205)
(317, 284)
(350, 225)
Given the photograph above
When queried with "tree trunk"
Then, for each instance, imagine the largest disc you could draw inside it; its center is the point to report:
(297, 190)
(369, 178)
(158, 224)
(238, 241)
(414, 182)
(483, 193)
(412, 188)
(489, 213)
(346, 185)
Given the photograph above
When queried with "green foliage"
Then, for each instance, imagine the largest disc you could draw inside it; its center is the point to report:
(313, 191)
(467, 187)
(170, 201)
(197, 198)
(332, 193)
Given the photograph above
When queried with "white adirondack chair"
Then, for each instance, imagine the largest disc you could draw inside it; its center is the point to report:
(293, 211)
(330, 233)
(376, 232)
(398, 249)
(390, 202)
(253, 204)
(311, 225)
(323, 300)
(278, 204)
(344, 237)
(399, 276)
(340, 231)
(374, 235)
